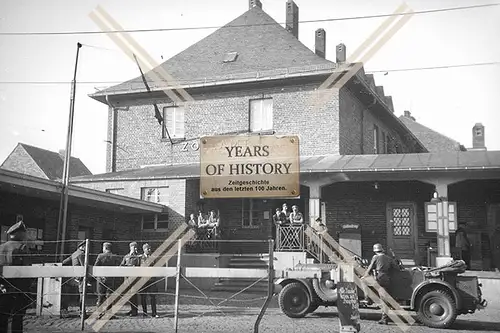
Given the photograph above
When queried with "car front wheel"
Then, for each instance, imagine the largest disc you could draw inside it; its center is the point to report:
(437, 309)
(294, 300)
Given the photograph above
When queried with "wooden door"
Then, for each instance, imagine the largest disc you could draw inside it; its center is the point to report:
(402, 231)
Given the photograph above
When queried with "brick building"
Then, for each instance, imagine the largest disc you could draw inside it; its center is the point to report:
(359, 162)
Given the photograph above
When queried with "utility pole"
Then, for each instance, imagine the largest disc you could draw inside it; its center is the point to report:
(63, 205)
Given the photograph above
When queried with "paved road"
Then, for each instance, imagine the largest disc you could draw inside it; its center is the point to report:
(241, 319)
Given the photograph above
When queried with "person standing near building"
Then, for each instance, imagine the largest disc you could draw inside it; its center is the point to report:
(150, 288)
(105, 285)
(296, 217)
(384, 266)
(285, 214)
(78, 259)
(132, 259)
(13, 297)
(462, 243)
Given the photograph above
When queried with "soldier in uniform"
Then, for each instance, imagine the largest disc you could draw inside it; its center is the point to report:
(105, 285)
(78, 259)
(384, 266)
(132, 259)
(150, 288)
(13, 300)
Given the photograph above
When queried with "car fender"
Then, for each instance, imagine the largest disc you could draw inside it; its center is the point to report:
(282, 282)
(435, 282)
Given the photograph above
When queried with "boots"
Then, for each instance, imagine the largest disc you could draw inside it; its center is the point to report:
(384, 320)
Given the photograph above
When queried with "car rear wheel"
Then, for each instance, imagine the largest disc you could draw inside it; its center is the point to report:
(437, 309)
(294, 300)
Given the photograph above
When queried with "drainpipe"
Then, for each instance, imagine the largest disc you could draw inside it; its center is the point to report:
(113, 135)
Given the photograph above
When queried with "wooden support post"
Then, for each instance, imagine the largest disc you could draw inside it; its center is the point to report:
(270, 286)
(177, 285)
(84, 293)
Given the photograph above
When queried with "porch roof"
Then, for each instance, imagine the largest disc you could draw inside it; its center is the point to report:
(25, 185)
(438, 161)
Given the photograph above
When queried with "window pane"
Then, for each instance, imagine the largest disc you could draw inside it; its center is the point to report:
(179, 123)
(162, 225)
(267, 114)
(148, 225)
(255, 115)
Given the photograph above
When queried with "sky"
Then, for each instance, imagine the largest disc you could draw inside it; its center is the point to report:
(36, 70)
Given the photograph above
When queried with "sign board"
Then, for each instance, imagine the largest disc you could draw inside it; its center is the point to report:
(350, 228)
(348, 307)
(431, 216)
(249, 166)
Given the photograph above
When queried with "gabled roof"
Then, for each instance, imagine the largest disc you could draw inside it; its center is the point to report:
(402, 163)
(433, 141)
(261, 44)
(52, 163)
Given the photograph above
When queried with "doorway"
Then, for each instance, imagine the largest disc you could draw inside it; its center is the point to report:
(402, 231)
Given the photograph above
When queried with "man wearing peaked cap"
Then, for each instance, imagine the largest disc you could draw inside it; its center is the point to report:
(13, 297)
(105, 285)
(132, 259)
(77, 258)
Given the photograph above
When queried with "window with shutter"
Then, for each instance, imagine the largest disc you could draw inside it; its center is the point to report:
(173, 122)
(250, 217)
(431, 218)
(261, 115)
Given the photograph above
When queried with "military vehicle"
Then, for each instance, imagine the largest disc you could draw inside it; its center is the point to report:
(438, 295)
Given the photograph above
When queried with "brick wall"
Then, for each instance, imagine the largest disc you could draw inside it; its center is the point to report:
(360, 202)
(139, 136)
(356, 127)
(175, 193)
(20, 161)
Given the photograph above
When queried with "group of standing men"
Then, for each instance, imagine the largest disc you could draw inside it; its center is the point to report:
(106, 285)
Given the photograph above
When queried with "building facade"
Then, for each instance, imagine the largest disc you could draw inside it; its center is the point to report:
(254, 77)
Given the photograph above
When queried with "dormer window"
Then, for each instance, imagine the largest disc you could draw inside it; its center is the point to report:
(230, 57)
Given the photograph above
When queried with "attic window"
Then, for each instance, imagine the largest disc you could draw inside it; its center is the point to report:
(230, 57)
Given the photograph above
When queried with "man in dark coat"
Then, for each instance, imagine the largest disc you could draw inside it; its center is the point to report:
(384, 267)
(132, 259)
(462, 243)
(13, 292)
(77, 258)
(105, 285)
(150, 288)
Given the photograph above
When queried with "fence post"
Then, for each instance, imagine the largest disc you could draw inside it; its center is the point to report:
(84, 293)
(177, 285)
(270, 286)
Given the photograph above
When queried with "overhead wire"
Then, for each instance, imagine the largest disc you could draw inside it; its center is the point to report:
(493, 63)
(428, 11)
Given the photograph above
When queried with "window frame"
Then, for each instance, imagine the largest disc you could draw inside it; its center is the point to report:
(172, 131)
(109, 190)
(376, 139)
(252, 212)
(155, 222)
(270, 119)
(156, 188)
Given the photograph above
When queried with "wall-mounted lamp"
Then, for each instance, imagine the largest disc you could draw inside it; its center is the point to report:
(375, 185)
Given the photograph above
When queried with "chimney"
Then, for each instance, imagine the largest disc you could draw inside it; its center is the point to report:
(408, 115)
(341, 53)
(292, 18)
(254, 3)
(320, 43)
(478, 137)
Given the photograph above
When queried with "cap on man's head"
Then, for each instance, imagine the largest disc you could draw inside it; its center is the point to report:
(82, 243)
(132, 244)
(106, 245)
(19, 226)
(146, 246)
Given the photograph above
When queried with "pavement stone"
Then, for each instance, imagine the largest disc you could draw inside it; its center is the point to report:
(205, 318)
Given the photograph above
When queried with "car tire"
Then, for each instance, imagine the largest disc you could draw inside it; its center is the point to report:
(437, 309)
(313, 307)
(294, 300)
